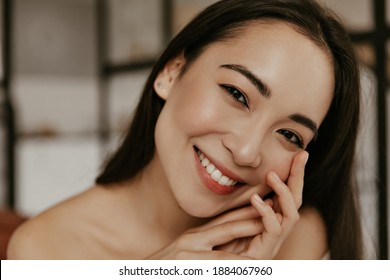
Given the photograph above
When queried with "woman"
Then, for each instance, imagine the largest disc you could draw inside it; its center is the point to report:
(213, 164)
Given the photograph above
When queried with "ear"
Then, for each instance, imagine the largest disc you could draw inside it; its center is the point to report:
(168, 75)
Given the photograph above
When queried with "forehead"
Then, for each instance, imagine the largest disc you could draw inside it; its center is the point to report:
(291, 64)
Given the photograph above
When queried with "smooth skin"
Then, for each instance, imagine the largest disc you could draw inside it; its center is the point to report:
(92, 225)
(166, 212)
(254, 232)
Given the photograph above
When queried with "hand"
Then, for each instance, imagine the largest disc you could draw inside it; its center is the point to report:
(252, 232)
(295, 180)
(198, 243)
(279, 215)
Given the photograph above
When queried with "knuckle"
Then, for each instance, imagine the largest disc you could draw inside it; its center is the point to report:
(268, 211)
(277, 231)
(299, 202)
(294, 217)
(229, 229)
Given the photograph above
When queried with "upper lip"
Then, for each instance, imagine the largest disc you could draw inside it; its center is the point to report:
(225, 171)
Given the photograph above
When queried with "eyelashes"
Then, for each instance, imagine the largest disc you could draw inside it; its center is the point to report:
(238, 96)
(292, 137)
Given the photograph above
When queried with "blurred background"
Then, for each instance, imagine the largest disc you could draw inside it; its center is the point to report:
(71, 75)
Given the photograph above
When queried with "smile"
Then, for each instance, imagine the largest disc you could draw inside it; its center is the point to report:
(217, 179)
(215, 174)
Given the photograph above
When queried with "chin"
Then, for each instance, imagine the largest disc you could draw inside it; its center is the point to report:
(201, 210)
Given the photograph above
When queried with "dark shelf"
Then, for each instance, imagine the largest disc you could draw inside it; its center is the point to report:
(360, 37)
(7, 106)
(128, 67)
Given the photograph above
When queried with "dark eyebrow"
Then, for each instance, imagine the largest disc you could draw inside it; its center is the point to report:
(306, 122)
(262, 88)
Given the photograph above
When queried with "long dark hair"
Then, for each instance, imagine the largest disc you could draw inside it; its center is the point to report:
(329, 184)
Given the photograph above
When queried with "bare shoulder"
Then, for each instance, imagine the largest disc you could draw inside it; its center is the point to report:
(51, 234)
(308, 240)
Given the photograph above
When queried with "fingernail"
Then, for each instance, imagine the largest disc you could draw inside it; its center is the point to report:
(257, 198)
(306, 158)
(276, 177)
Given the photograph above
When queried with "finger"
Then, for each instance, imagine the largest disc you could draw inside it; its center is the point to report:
(275, 204)
(229, 231)
(270, 202)
(244, 213)
(285, 199)
(267, 214)
(279, 217)
(265, 244)
(295, 180)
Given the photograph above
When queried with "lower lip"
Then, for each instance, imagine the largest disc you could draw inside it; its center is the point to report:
(210, 183)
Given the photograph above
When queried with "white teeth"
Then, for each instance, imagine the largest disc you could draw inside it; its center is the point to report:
(205, 162)
(210, 168)
(216, 175)
(223, 181)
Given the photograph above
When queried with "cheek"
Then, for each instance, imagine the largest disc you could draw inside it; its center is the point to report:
(197, 112)
(280, 162)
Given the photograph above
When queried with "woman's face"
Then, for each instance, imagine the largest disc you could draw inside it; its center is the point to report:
(243, 108)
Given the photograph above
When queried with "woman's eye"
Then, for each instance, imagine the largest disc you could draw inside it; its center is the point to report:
(235, 93)
(292, 137)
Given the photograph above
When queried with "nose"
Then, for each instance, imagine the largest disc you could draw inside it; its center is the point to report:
(245, 146)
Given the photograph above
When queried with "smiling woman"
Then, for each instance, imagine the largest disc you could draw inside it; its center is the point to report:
(213, 164)
(242, 128)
